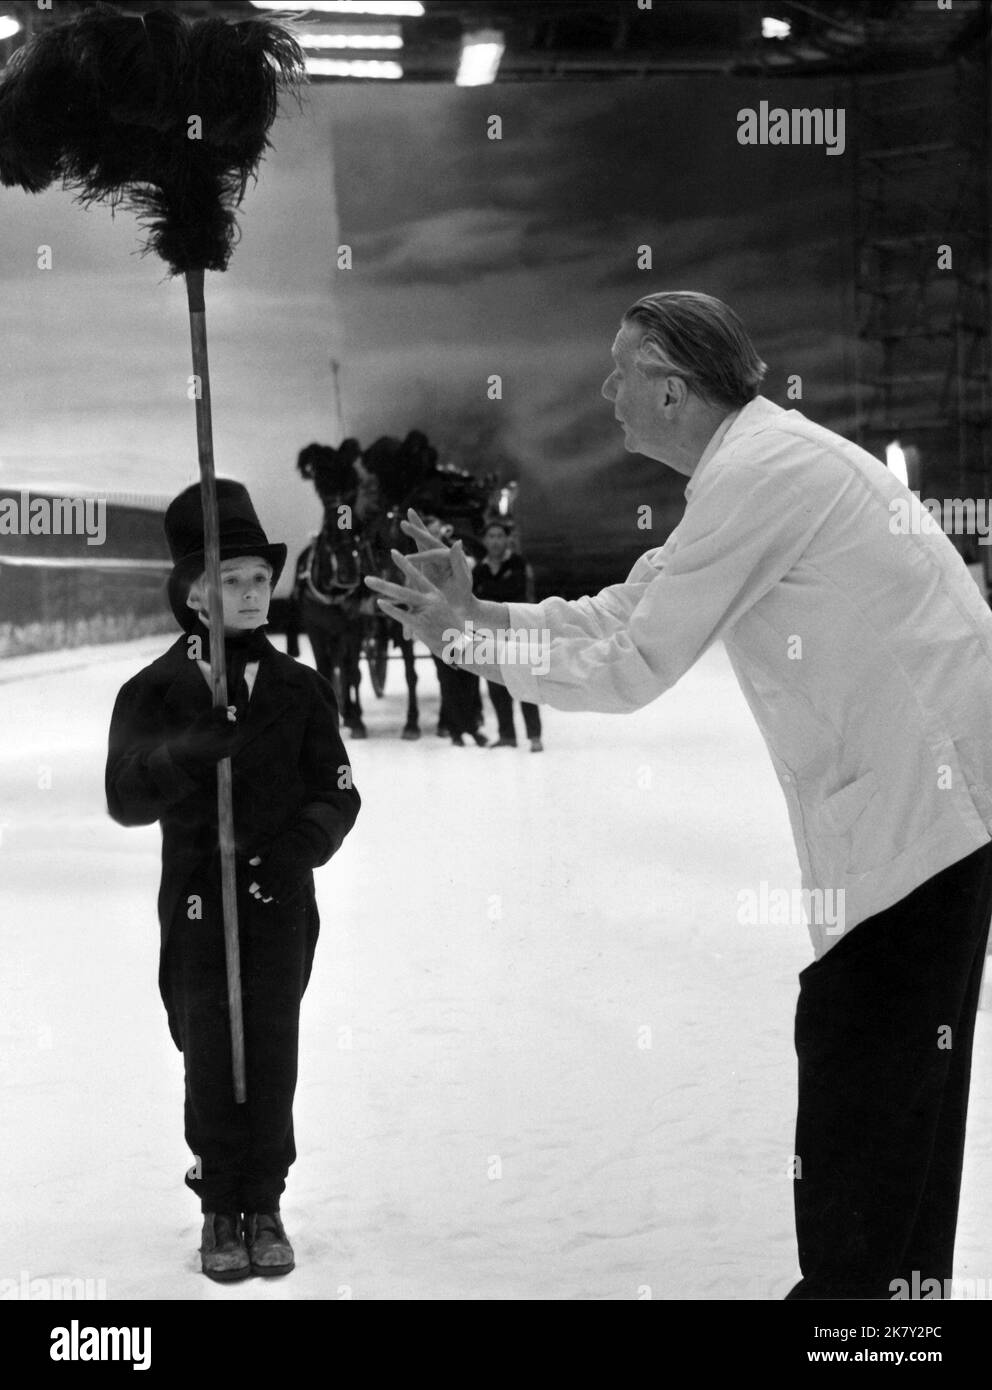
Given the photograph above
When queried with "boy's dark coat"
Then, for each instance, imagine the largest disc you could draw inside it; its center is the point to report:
(288, 765)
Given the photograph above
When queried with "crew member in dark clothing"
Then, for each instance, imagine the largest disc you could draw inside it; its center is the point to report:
(460, 711)
(501, 576)
(294, 803)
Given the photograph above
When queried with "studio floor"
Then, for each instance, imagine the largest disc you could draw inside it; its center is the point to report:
(541, 1058)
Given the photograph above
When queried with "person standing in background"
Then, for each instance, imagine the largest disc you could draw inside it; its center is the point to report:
(501, 577)
(460, 711)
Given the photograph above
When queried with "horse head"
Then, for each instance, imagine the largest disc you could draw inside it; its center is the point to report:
(332, 471)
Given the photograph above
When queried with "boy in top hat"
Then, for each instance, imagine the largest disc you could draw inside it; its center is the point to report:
(294, 803)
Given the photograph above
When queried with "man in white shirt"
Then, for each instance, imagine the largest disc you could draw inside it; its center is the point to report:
(864, 650)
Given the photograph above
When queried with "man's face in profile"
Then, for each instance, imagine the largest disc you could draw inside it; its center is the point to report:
(636, 398)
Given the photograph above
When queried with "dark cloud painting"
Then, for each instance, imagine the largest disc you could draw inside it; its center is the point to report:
(471, 257)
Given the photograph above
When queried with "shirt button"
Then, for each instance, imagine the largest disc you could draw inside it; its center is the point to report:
(786, 777)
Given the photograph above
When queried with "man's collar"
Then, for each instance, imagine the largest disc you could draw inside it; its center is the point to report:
(738, 421)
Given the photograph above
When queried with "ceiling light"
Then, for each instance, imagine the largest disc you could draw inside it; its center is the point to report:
(481, 54)
(896, 461)
(412, 9)
(775, 28)
(353, 67)
(368, 36)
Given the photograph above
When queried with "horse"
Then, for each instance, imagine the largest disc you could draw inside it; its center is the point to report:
(328, 585)
(394, 476)
(337, 612)
(379, 526)
(380, 632)
(328, 591)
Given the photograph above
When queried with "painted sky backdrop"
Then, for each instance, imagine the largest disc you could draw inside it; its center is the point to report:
(470, 256)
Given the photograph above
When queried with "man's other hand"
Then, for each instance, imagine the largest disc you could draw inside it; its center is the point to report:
(437, 596)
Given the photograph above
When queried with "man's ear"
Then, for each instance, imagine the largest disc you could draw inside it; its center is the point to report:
(676, 391)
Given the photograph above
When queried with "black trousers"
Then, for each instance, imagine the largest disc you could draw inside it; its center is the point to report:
(884, 1031)
(503, 705)
(461, 702)
(244, 1151)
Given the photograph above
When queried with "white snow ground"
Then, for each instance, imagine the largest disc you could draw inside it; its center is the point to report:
(540, 1058)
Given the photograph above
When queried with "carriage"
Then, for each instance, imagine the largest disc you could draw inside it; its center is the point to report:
(365, 496)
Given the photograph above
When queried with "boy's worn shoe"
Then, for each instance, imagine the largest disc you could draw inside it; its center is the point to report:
(504, 743)
(269, 1249)
(480, 740)
(536, 746)
(222, 1249)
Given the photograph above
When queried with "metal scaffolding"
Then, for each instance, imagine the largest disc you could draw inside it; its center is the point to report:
(922, 256)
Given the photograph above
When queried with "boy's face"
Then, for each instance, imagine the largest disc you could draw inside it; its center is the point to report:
(246, 587)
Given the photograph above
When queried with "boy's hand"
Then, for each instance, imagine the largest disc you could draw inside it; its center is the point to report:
(281, 870)
(209, 738)
(254, 888)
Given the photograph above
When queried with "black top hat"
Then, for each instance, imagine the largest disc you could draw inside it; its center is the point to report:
(240, 534)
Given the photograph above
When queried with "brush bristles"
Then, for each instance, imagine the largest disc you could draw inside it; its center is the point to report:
(106, 104)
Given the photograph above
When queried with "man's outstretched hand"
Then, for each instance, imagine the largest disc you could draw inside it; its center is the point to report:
(437, 596)
(433, 557)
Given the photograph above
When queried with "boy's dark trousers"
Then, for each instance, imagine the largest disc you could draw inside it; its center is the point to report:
(244, 1151)
(884, 1030)
(503, 705)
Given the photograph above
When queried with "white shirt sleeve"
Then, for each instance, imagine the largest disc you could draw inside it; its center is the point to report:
(746, 525)
(599, 616)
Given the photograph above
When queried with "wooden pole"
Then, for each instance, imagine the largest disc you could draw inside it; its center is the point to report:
(335, 368)
(218, 670)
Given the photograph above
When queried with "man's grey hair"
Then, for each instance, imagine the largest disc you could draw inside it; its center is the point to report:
(701, 339)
